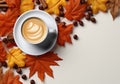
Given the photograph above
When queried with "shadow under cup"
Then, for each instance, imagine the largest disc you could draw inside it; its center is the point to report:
(34, 30)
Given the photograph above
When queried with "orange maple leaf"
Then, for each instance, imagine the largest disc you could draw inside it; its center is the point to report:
(2, 52)
(75, 10)
(64, 34)
(8, 19)
(41, 64)
(9, 78)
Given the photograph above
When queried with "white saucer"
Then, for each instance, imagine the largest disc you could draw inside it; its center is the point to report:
(45, 46)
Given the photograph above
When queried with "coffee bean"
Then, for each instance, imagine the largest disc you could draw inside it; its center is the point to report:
(10, 37)
(57, 19)
(61, 8)
(41, 7)
(93, 20)
(90, 13)
(81, 23)
(24, 77)
(87, 17)
(32, 82)
(75, 23)
(82, 1)
(4, 9)
(46, 7)
(19, 71)
(11, 40)
(15, 66)
(37, 2)
(63, 24)
(61, 14)
(75, 37)
(88, 8)
(4, 64)
(5, 40)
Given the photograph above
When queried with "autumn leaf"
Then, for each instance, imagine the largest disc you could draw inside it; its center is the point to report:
(64, 34)
(13, 3)
(114, 6)
(26, 5)
(8, 19)
(41, 64)
(16, 56)
(53, 6)
(2, 52)
(75, 10)
(8, 77)
(98, 5)
(11, 45)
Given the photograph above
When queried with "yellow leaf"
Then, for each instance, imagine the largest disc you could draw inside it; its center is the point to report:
(15, 56)
(53, 6)
(26, 5)
(98, 5)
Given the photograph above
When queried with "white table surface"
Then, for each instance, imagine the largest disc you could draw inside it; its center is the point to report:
(93, 59)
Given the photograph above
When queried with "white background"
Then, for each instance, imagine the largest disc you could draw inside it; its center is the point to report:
(93, 59)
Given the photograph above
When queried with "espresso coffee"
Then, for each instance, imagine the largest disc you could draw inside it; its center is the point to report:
(34, 30)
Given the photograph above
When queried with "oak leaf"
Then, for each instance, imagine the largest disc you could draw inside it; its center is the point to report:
(41, 64)
(2, 52)
(16, 56)
(53, 6)
(26, 5)
(8, 19)
(8, 77)
(75, 10)
(114, 6)
(64, 34)
(98, 5)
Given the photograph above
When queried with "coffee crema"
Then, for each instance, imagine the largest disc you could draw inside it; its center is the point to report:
(34, 30)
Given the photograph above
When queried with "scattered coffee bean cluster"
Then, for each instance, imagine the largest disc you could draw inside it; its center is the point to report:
(88, 16)
(23, 76)
(18, 70)
(8, 39)
(42, 4)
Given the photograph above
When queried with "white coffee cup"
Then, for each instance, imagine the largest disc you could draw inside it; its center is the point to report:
(28, 27)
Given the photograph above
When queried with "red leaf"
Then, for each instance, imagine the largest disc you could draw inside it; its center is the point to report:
(2, 53)
(75, 10)
(41, 64)
(64, 34)
(8, 19)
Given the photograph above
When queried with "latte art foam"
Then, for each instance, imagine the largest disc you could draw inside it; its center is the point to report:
(34, 30)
